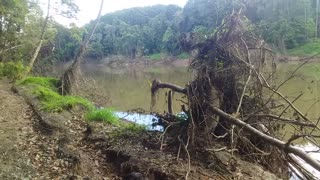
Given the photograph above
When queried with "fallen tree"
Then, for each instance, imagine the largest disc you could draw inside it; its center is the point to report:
(230, 99)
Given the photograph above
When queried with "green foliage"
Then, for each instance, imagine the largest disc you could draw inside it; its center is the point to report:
(46, 82)
(51, 101)
(133, 128)
(13, 70)
(155, 57)
(104, 115)
(129, 129)
(1, 69)
(12, 13)
(136, 32)
(183, 56)
(307, 49)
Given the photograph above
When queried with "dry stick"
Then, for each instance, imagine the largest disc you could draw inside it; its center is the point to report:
(242, 95)
(292, 75)
(285, 109)
(285, 120)
(162, 137)
(188, 154)
(271, 140)
(285, 81)
(266, 84)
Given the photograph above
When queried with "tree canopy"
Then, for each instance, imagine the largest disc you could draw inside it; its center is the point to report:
(143, 31)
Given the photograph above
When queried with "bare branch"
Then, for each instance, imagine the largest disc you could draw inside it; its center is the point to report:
(271, 140)
(285, 120)
(156, 84)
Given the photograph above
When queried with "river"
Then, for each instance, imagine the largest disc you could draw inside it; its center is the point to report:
(128, 89)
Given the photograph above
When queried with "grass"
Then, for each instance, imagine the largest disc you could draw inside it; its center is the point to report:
(183, 56)
(133, 128)
(104, 115)
(45, 90)
(307, 49)
(129, 130)
(155, 57)
(46, 82)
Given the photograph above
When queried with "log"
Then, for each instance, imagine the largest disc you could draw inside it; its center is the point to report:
(268, 139)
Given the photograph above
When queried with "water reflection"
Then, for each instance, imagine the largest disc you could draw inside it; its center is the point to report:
(141, 119)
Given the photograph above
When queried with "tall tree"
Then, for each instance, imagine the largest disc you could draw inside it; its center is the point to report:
(43, 31)
(70, 76)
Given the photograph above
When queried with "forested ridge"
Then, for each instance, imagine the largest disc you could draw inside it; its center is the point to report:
(145, 31)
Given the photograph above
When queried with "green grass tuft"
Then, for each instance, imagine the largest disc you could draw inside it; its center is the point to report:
(46, 91)
(183, 56)
(46, 82)
(133, 128)
(155, 57)
(13, 70)
(129, 130)
(105, 115)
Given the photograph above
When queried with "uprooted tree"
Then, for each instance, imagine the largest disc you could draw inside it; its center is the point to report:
(232, 99)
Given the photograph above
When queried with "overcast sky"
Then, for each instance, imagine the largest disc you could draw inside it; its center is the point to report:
(89, 8)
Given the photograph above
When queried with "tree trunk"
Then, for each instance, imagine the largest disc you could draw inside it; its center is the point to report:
(69, 78)
(43, 31)
(317, 19)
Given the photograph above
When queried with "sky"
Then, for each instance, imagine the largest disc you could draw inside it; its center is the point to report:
(89, 8)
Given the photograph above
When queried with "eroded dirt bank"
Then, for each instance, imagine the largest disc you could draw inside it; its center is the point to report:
(39, 145)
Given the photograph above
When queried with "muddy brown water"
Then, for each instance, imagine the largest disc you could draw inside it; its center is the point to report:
(128, 88)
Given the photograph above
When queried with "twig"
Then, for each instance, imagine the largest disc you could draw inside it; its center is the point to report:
(179, 150)
(268, 139)
(285, 120)
(162, 136)
(189, 158)
(222, 149)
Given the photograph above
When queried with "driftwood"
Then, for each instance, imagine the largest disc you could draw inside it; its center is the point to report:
(271, 140)
(286, 147)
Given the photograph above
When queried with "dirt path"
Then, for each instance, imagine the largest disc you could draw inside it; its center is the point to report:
(15, 125)
(26, 152)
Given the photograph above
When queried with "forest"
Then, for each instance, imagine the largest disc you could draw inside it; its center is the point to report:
(289, 26)
(217, 89)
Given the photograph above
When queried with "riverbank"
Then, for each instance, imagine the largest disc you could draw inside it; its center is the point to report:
(65, 145)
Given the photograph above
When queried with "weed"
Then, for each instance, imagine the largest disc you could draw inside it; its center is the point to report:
(46, 82)
(129, 130)
(46, 91)
(133, 128)
(105, 115)
(13, 70)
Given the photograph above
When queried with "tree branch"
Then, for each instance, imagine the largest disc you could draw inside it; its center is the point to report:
(271, 140)
(285, 120)
(156, 84)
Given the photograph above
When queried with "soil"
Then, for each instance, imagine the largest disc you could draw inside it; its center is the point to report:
(15, 128)
(40, 145)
